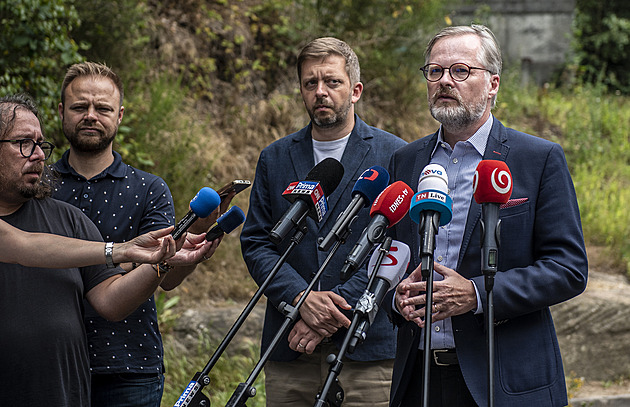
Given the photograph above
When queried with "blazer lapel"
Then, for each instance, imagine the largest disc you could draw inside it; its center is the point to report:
(301, 153)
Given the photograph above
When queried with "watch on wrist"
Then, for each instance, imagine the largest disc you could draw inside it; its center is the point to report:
(109, 252)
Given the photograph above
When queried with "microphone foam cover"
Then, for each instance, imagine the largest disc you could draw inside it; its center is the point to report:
(393, 202)
(394, 265)
(205, 202)
(231, 219)
(328, 173)
(433, 177)
(371, 183)
(492, 182)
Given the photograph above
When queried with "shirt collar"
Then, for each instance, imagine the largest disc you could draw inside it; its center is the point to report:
(116, 170)
(479, 140)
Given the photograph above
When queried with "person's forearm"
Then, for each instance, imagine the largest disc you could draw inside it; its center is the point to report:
(176, 276)
(119, 296)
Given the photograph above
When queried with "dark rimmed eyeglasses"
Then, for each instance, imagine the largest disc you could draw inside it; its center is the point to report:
(458, 71)
(27, 146)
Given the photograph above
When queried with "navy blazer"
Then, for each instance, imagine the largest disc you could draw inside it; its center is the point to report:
(287, 160)
(542, 261)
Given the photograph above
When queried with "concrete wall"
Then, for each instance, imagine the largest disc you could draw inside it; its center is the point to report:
(533, 33)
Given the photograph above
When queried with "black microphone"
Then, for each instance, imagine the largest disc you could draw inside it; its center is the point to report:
(226, 223)
(308, 197)
(388, 275)
(371, 183)
(201, 206)
(388, 209)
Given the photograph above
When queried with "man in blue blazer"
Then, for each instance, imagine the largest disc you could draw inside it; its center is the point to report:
(541, 259)
(329, 75)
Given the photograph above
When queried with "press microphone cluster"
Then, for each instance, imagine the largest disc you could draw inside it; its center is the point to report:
(202, 205)
(389, 207)
(388, 275)
(492, 186)
(371, 183)
(308, 197)
(226, 223)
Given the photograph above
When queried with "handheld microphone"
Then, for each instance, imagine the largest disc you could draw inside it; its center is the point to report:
(388, 275)
(371, 183)
(201, 206)
(431, 207)
(226, 223)
(389, 207)
(308, 197)
(492, 186)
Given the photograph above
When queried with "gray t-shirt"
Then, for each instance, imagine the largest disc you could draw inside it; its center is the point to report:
(43, 348)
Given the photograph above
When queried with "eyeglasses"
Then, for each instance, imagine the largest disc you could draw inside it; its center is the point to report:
(459, 71)
(27, 147)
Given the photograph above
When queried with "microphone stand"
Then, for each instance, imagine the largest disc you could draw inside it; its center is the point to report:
(428, 230)
(355, 335)
(489, 260)
(246, 390)
(192, 395)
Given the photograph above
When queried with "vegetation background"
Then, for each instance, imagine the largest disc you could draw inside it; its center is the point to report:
(211, 83)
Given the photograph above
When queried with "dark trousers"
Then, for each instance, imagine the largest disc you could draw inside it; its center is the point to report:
(447, 387)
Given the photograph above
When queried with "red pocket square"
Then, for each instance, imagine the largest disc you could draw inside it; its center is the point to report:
(513, 202)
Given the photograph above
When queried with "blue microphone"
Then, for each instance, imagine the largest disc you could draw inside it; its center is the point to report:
(369, 185)
(202, 205)
(226, 223)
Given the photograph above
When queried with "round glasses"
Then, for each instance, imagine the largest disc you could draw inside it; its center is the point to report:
(27, 147)
(458, 71)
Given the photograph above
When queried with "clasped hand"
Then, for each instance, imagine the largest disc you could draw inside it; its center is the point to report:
(454, 295)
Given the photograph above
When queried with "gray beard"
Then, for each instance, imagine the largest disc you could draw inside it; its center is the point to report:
(460, 116)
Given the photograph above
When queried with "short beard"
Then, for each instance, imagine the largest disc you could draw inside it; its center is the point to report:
(337, 119)
(460, 116)
(88, 145)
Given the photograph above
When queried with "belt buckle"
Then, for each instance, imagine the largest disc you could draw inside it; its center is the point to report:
(435, 356)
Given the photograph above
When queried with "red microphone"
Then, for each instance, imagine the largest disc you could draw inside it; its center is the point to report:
(492, 182)
(492, 186)
(389, 207)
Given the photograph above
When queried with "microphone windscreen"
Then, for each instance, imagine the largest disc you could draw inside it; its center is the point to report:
(393, 202)
(492, 182)
(394, 265)
(434, 177)
(231, 219)
(371, 183)
(328, 173)
(206, 201)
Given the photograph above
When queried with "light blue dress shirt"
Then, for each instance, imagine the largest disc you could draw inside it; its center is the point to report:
(460, 164)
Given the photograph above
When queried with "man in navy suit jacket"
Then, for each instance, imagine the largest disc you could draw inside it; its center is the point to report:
(329, 75)
(541, 259)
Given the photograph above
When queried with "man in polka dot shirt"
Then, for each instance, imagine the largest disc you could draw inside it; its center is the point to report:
(125, 357)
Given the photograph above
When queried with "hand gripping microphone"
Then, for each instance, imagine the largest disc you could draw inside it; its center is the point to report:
(389, 207)
(226, 223)
(308, 197)
(492, 186)
(201, 206)
(371, 183)
(388, 275)
(431, 207)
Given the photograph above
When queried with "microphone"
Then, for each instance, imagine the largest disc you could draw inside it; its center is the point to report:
(431, 207)
(201, 206)
(308, 197)
(372, 182)
(492, 186)
(226, 223)
(389, 207)
(388, 275)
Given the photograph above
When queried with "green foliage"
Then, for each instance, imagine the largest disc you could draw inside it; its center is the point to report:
(35, 48)
(230, 370)
(167, 316)
(602, 43)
